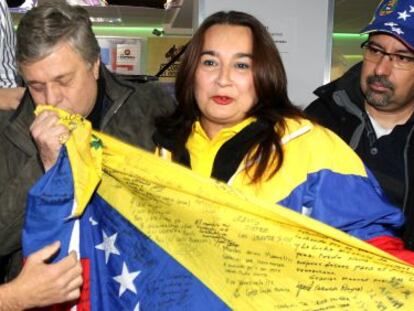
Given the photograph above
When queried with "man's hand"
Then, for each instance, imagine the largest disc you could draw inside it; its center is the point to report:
(10, 97)
(49, 136)
(41, 284)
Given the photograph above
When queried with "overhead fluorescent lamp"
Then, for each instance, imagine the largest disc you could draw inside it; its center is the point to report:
(106, 20)
(350, 36)
(88, 2)
(172, 4)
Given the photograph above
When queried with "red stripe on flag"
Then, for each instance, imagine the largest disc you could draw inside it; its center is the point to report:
(83, 303)
(393, 246)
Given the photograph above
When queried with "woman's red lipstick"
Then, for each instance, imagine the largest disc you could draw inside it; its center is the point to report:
(222, 100)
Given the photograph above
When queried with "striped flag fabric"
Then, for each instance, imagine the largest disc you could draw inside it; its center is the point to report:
(155, 236)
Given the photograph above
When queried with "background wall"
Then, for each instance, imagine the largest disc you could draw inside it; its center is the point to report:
(146, 22)
(302, 31)
(350, 17)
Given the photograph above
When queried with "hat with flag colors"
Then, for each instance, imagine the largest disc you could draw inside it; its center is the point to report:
(395, 17)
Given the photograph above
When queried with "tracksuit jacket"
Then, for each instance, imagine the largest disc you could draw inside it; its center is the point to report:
(321, 177)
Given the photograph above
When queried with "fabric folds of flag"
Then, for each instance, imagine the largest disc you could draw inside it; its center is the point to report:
(155, 236)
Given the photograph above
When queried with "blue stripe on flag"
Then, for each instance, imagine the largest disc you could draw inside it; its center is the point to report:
(49, 204)
(128, 271)
(160, 282)
(330, 198)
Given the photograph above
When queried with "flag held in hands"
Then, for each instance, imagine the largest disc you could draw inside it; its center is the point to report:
(155, 236)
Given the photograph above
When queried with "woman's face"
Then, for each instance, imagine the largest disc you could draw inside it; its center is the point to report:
(224, 87)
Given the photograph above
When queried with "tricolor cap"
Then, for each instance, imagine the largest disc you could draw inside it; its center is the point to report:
(395, 17)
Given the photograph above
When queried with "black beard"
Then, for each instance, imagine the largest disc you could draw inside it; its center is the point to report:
(375, 99)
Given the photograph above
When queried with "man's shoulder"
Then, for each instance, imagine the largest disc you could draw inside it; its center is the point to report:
(5, 116)
(141, 95)
(151, 88)
(338, 100)
(324, 110)
(152, 96)
(348, 83)
(136, 111)
(324, 100)
(24, 113)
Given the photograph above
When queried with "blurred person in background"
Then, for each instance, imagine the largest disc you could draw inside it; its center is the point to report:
(10, 92)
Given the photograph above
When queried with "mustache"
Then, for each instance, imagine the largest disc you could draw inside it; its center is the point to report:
(380, 79)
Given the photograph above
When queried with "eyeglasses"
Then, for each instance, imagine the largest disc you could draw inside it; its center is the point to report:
(375, 54)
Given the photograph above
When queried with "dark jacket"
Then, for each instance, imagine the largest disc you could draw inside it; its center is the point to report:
(128, 114)
(340, 107)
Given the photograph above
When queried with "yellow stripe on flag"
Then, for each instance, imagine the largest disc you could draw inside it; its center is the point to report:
(254, 256)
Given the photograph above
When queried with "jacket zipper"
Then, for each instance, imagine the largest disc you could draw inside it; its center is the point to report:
(406, 173)
(113, 110)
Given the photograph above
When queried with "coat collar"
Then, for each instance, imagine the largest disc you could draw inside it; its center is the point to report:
(349, 82)
(17, 130)
(116, 93)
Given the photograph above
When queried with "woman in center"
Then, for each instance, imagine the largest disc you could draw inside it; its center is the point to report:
(234, 122)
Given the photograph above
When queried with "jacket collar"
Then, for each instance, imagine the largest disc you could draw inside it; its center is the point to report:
(116, 93)
(228, 161)
(296, 129)
(17, 128)
(349, 82)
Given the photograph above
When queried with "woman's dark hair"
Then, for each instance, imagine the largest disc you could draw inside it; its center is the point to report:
(270, 85)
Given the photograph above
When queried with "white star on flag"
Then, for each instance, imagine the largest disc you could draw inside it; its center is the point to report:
(403, 15)
(391, 24)
(411, 9)
(93, 221)
(108, 245)
(397, 30)
(126, 280)
(136, 307)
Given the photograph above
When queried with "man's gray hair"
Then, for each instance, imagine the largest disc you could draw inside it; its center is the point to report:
(44, 27)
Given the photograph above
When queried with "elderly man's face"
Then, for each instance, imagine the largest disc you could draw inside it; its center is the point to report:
(64, 80)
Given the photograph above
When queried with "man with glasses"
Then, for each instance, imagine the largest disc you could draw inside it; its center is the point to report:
(371, 106)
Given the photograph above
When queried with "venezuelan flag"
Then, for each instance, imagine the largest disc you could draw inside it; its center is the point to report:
(155, 236)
